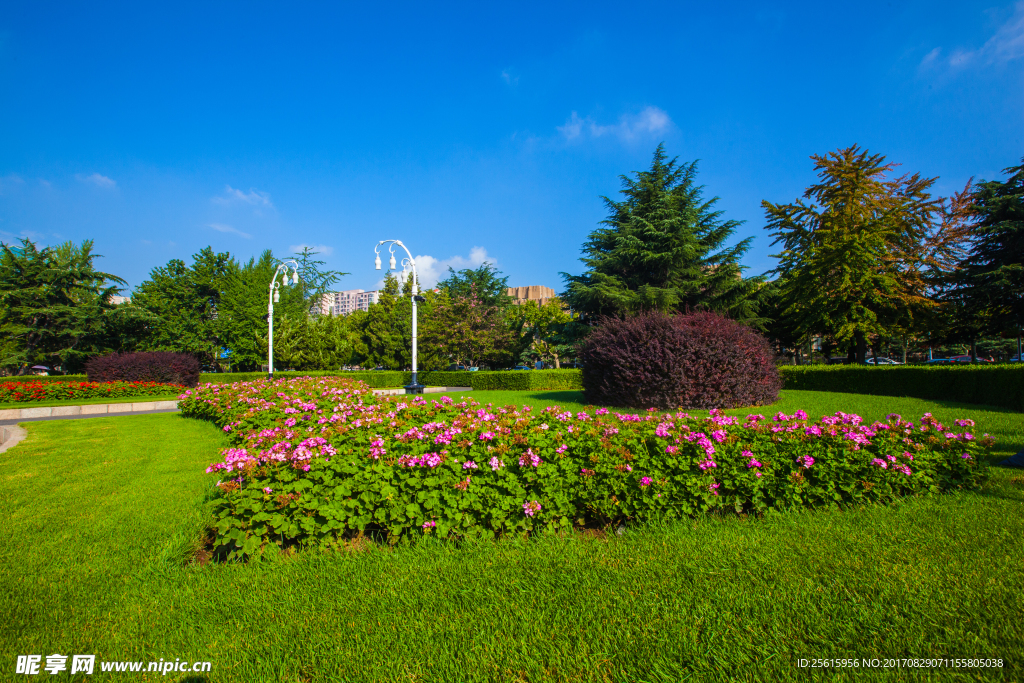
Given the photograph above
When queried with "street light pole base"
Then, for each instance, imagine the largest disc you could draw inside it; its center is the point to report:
(414, 388)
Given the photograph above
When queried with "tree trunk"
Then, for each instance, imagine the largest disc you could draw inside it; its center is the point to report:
(557, 364)
(904, 340)
(862, 347)
(974, 350)
(874, 352)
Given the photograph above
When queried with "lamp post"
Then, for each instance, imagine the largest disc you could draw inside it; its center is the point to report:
(274, 295)
(414, 387)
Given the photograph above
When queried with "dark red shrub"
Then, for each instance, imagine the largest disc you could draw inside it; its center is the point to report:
(694, 360)
(164, 367)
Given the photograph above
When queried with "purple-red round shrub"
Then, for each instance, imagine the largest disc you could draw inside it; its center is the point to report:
(165, 367)
(692, 360)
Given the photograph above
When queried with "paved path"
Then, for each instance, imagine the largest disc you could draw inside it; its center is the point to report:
(15, 415)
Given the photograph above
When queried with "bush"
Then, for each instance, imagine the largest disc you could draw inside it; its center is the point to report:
(509, 380)
(996, 385)
(33, 392)
(316, 460)
(164, 367)
(697, 360)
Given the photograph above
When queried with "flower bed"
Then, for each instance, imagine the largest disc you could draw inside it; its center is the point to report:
(313, 460)
(34, 391)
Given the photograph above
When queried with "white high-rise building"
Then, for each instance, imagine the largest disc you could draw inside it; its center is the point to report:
(343, 303)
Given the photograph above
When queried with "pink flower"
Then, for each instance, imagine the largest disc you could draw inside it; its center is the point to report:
(469, 465)
(268, 490)
(646, 481)
(529, 458)
(495, 463)
(713, 488)
(880, 463)
(531, 508)
(561, 449)
(429, 525)
(806, 460)
(672, 450)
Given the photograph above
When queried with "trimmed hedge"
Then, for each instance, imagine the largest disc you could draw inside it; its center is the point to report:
(997, 385)
(41, 378)
(508, 380)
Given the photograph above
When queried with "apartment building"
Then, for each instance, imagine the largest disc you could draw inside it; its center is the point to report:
(343, 303)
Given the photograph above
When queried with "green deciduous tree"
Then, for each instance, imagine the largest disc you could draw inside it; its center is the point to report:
(854, 259)
(663, 247)
(467, 331)
(53, 303)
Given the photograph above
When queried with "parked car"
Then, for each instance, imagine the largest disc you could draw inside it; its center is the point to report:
(939, 361)
(966, 359)
(522, 367)
(883, 361)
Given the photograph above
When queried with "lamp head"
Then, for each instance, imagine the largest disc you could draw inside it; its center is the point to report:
(376, 262)
(391, 263)
(295, 277)
(277, 296)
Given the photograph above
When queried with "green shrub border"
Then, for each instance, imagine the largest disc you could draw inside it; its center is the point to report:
(995, 385)
(509, 380)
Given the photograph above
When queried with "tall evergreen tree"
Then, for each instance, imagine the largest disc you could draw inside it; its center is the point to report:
(53, 303)
(995, 265)
(663, 247)
(854, 259)
(186, 300)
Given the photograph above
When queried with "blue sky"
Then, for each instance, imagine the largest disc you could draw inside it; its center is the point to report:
(473, 130)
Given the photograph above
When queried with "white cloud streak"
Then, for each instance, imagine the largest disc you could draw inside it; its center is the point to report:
(650, 121)
(220, 227)
(1005, 45)
(253, 197)
(98, 180)
(322, 249)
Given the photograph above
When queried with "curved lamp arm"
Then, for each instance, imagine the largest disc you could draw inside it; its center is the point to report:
(414, 387)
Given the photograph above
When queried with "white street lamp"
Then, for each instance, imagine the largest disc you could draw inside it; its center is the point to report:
(274, 297)
(414, 387)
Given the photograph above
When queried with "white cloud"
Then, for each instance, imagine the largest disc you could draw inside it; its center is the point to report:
(432, 270)
(1006, 44)
(318, 248)
(649, 122)
(10, 181)
(220, 227)
(509, 77)
(253, 197)
(97, 180)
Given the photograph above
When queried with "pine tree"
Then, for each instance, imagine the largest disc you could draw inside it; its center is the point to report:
(663, 247)
(854, 261)
(995, 265)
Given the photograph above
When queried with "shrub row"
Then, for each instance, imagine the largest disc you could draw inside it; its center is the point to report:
(999, 385)
(28, 392)
(316, 460)
(49, 378)
(510, 380)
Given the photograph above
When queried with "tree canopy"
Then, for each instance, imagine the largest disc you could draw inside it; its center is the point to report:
(663, 247)
(855, 259)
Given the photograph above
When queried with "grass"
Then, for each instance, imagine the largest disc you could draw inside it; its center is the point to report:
(101, 516)
(88, 401)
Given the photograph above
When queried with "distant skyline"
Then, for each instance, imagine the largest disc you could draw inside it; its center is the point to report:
(470, 132)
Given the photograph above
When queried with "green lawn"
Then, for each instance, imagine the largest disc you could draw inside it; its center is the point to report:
(101, 515)
(88, 401)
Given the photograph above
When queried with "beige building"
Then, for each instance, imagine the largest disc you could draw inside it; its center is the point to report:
(538, 293)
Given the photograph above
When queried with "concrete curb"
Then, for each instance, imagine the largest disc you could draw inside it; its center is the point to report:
(149, 407)
(429, 390)
(96, 409)
(11, 436)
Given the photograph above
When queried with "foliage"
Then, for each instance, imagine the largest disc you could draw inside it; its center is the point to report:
(53, 303)
(543, 330)
(697, 360)
(164, 367)
(994, 268)
(663, 248)
(512, 380)
(34, 391)
(855, 260)
(317, 460)
(314, 281)
(466, 330)
(995, 385)
(483, 282)
(186, 301)
(323, 342)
